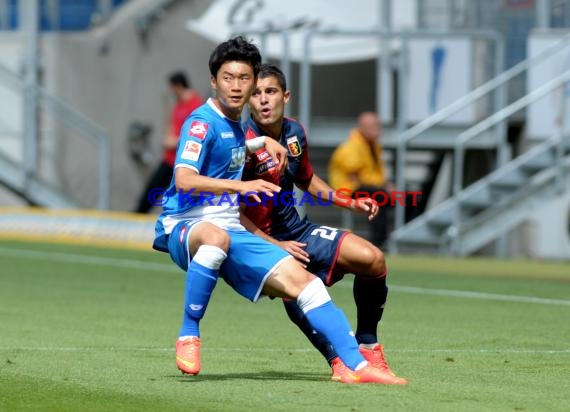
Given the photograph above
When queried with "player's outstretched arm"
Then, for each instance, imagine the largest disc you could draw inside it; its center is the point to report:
(319, 188)
(253, 188)
(188, 180)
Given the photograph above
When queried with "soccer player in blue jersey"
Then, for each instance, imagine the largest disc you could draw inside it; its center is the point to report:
(200, 226)
(326, 251)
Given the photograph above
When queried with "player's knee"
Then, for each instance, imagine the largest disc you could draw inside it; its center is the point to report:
(211, 235)
(220, 239)
(288, 280)
(374, 260)
(298, 282)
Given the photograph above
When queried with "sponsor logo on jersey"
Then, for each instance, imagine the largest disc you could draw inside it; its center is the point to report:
(238, 159)
(262, 155)
(198, 129)
(294, 146)
(191, 151)
(262, 168)
(227, 135)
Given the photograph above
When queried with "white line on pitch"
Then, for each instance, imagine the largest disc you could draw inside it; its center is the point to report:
(89, 260)
(162, 267)
(213, 349)
(479, 295)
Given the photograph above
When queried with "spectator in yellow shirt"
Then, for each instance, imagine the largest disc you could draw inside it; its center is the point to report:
(357, 165)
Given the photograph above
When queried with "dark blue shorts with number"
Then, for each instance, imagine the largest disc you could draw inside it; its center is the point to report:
(323, 247)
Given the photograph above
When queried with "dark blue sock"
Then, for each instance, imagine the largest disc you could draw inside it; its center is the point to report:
(200, 282)
(332, 323)
(370, 296)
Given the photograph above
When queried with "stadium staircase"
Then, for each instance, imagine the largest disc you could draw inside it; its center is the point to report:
(481, 212)
(495, 204)
(491, 206)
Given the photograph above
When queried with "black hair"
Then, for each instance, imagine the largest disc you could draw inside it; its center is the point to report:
(235, 49)
(270, 70)
(179, 79)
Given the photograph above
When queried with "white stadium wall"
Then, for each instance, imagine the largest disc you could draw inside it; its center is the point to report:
(118, 78)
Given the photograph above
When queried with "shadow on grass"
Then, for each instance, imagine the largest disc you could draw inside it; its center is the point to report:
(257, 376)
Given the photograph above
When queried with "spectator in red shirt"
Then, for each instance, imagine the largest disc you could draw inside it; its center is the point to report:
(187, 99)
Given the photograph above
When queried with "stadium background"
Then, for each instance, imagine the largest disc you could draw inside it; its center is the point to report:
(87, 311)
(90, 56)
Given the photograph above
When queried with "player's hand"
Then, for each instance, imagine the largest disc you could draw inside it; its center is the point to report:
(295, 249)
(278, 153)
(253, 188)
(366, 205)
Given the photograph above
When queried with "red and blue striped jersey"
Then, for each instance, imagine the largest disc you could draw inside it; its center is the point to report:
(278, 216)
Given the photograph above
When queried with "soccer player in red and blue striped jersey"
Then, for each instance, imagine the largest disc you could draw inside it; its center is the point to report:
(327, 252)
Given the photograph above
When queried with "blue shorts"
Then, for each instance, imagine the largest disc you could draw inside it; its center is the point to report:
(323, 247)
(250, 259)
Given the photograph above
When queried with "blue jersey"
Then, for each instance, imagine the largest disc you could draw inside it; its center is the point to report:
(279, 218)
(212, 145)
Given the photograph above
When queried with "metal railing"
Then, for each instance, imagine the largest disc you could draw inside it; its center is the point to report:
(383, 36)
(501, 115)
(403, 64)
(403, 69)
(495, 84)
(66, 115)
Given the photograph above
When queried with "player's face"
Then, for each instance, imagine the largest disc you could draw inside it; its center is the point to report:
(233, 84)
(267, 102)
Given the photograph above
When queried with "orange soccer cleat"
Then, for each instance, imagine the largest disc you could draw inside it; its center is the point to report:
(188, 355)
(342, 373)
(376, 358)
(368, 374)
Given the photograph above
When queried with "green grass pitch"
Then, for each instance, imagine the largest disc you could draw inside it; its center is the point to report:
(88, 329)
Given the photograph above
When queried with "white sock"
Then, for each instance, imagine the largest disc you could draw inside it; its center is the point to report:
(209, 256)
(361, 365)
(314, 295)
(186, 337)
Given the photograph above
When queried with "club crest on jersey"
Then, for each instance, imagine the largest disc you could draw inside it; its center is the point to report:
(238, 159)
(198, 129)
(294, 146)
